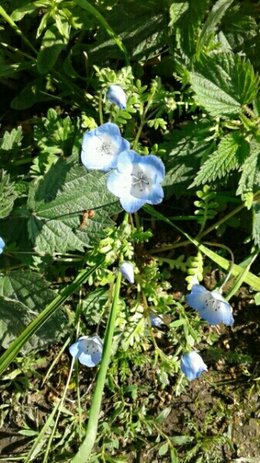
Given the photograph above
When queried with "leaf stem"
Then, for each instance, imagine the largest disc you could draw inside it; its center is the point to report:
(86, 447)
(14, 26)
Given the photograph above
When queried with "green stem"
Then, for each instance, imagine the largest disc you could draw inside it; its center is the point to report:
(9, 20)
(10, 354)
(85, 449)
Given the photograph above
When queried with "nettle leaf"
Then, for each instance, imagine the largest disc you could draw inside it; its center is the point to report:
(23, 294)
(60, 202)
(8, 194)
(232, 151)
(11, 140)
(223, 83)
(184, 150)
(250, 178)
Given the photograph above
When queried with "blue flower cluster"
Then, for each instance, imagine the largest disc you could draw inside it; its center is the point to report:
(134, 179)
(213, 308)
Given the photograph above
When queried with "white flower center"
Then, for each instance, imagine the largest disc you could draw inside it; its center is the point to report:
(140, 183)
(211, 303)
(106, 147)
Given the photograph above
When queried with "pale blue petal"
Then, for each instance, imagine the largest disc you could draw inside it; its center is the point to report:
(156, 195)
(155, 166)
(2, 245)
(74, 349)
(118, 184)
(96, 358)
(131, 204)
(126, 160)
(86, 359)
(196, 299)
(156, 320)
(192, 365)
(92, 154)
(116, 95)
(127, 270)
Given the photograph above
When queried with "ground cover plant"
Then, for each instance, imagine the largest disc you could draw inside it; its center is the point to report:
(129, 231)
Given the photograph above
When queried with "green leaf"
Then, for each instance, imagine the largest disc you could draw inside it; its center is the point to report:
(34, 92)
(231, 152)
(7, 194)
(11, 140)
(52, 44)
(58, 203)
(184, 149)
(223, 83)
(177, 9)
(163, 449)
(213, 19)
(39, 322)
(23, 295)
(250, 178)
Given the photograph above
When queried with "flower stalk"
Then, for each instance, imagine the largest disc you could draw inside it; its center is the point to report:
(86, 447)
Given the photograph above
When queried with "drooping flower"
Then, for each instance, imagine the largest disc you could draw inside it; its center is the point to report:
(88, 350)
(192, 365)
(2, 245)
(137, 180)
(127, 270)
(116, 95)
(156, 320)
(101, 147)
(211, 305)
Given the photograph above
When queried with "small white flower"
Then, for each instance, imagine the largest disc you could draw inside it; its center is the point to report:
(88, 350)
(116, 95)
(127, 270)
(102, 146)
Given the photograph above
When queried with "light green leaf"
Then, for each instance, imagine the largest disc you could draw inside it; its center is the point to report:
(163, 449)
(223, 83)
(23, 295)
(250, 178)
(11, 140)
(230, 155)
(177, 9)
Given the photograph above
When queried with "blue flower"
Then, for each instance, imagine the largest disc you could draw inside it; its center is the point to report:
(101, 147)
(156, 320)
(136, 180)
(88, 350)
(127, 270)
(116, 95)
(210, 305)
(2, 245)
(192, 365)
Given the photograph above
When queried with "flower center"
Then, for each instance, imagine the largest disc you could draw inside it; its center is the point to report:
(105, 149)
(140, 180)
(211, 303)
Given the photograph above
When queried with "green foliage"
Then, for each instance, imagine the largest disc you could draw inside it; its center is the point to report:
(223, 83)
(232, 151)
(8, 194)
(23, 295)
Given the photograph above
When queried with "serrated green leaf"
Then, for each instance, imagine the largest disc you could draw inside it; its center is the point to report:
(231, 152)
(8, 194)
(58, 202)
(223, 83)
(250, 178)
(52, 44)
(177, 9)
(23, 295)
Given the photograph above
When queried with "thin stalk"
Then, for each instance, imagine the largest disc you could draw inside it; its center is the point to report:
(46, 455)
(100, 112)
(223, 246)
(86, 447)
(10, 354)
